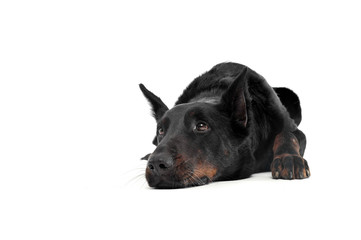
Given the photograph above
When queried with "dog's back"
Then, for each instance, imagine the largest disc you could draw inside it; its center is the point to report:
(215, 82)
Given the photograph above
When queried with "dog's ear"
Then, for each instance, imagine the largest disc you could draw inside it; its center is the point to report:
(234, 99)
(146, 157)
(158, 107)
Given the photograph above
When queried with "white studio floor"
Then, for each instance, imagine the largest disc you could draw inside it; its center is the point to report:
(74, 124)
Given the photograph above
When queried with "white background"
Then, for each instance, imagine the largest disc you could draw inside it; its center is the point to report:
(73, 123)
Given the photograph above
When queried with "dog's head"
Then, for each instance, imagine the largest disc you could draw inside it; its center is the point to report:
(201, 141)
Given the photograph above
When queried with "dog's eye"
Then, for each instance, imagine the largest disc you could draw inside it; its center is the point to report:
(160, 131)
(201, 127)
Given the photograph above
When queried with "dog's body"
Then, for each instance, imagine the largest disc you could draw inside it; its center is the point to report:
(227, 124)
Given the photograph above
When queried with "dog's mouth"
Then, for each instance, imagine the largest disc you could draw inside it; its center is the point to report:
(198, 175)
(169, 183)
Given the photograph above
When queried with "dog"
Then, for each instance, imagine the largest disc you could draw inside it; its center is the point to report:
(227, 124)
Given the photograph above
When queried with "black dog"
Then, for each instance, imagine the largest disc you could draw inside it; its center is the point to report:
(227, 124)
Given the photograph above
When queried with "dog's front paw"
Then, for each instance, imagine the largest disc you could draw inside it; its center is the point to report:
(289, 167)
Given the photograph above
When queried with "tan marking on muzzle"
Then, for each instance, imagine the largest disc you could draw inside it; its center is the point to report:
(204, 170)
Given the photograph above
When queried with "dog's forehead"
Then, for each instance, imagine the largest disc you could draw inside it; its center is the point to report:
(191, 109)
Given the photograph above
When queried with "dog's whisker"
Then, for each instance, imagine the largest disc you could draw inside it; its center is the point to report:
(197, 180)
(143, 184)
(192, 180)
(133, 170)
(140, 178)
(136, 179)
(202, 173)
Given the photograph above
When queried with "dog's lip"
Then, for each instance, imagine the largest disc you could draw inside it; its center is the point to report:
(159, 181)
(167, 185)
(166, 182)
(170, 181)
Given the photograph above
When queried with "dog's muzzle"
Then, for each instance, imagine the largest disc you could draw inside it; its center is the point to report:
(160, 171)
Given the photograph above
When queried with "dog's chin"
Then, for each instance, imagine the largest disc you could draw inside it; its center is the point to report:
(161, 183)
(167, 185)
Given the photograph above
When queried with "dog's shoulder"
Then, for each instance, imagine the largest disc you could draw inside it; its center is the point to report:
(211, 83)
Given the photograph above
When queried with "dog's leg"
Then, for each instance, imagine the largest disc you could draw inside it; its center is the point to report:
(288, 163)
(301, 140)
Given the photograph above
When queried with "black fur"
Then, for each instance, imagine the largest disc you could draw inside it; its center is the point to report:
(241, 115)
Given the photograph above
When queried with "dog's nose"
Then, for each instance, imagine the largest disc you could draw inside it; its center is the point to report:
(160, 164)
